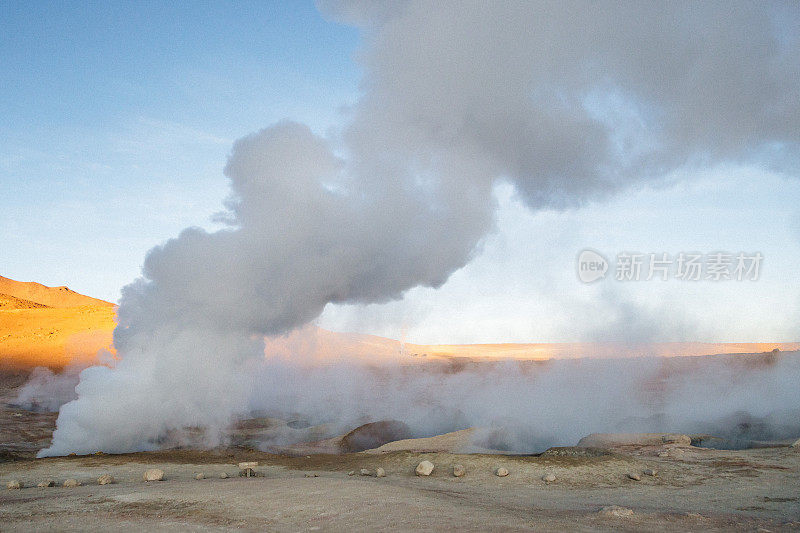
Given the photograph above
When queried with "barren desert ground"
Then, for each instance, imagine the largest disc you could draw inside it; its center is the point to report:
(320, 485)
(694, 488)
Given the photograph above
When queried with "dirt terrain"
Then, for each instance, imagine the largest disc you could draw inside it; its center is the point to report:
(694, 488)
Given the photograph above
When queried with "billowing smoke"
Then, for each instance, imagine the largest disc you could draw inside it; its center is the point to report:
(568, 102)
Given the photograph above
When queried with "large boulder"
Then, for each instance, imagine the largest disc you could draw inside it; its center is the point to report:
(373, 435)
(609, 440)
(14, 484)
(72, 483)
(105, 479)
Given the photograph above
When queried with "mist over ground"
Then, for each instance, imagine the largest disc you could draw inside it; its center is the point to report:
(523, 406)
(567, 102)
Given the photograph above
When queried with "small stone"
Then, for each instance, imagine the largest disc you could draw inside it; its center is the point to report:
(663, 454)
(223, 475)
(309, 474)
(14, 484)
(199, 476)
(424, 468)
(459, 470)
(549, 478)
(651, 472)
(153, 474)
(615, 511)
(501, 472)
(634, 476)
(351, 473)
(365, 472)
(46, 483)
(72, 483)
(105, 479)
(380, 472)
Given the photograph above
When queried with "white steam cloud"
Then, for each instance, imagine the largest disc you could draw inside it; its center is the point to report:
(568, 102)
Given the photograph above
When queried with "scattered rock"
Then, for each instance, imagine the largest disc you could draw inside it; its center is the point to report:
(380, 472)
(199, 476)
(501, 472)
(549, 478)
(72, 483)
(634, 476)
(651, 472)
(459, 470)
(615, 511)
(424, 468)
(365, 472)
(153, 474)
(14, 484)
(105, 479)
(223, 475)
(351, 473)
(309, 474)
(46, 483)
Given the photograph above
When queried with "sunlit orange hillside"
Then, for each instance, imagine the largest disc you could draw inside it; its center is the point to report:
(54, 326)
(51, 326)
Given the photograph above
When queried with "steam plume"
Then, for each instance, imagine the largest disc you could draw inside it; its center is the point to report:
(568, 102)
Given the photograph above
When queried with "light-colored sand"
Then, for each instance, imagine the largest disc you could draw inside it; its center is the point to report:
(455, 442)
(711, 490)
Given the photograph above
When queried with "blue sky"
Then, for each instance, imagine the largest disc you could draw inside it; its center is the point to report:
(116, 120)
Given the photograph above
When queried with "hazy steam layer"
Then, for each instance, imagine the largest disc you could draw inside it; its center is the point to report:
(535, 405)
(566, 101)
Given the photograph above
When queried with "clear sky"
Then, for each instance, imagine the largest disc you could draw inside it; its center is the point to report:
(116, 120)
